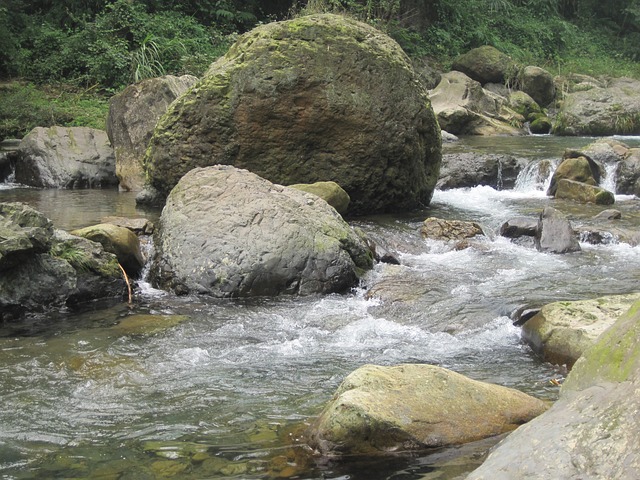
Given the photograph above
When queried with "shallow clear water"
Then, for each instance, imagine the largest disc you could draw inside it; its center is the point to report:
(219, 394)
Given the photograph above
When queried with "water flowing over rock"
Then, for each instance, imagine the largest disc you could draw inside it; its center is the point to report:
(468, 169)
(228, 233)
(554, 233)
(562, 331)
(44, 268)
(66, 157)
(575, 166)
(592, 430)
(317, 98)
(133, 114)
(378, 410)
(609, 110)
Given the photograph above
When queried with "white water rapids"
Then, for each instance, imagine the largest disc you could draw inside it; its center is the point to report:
(80, 398)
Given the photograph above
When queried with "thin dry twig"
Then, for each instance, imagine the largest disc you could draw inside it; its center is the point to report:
(126, 279)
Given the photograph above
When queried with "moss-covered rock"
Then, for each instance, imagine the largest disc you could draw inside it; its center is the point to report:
(592, 430)
(120, 241)
(562, 331)
(584, 193)
(43, 268)
(379, 410)
(485, 64)
(317, 98)
(330, 192)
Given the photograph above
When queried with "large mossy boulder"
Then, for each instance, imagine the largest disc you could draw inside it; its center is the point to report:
(610, 110)
(317, 98)
(485, 64)
(561, 331)
(66, 157)
(226, 232)
(381, 410)
(592, 430)
(42, 268)
(133, 114)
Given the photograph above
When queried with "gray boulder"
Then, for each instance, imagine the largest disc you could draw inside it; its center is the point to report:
(316, 98)
(628, 173)
(485, 65)
(538, 84)
(554, 233)
(519, 227)
(592, 431)
(561, 331)
(463, 107)
(228, 233)
(133, 114)
(610, 110)
(382, 410)
(42, 268)
(468, 169)
(66, 157)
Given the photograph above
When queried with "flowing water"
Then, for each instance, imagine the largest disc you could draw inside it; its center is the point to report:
(219, 392)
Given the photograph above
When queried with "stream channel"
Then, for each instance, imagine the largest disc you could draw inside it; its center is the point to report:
(219, 395)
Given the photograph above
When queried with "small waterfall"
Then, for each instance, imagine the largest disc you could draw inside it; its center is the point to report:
(608, 181)
(499, 183)
(536, 175)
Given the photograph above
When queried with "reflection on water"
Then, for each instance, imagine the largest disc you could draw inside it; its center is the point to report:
(71, 209)
(217, 388)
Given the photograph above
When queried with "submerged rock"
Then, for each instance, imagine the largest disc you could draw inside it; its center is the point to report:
(562, 331)
(317, 98)
(66, 157)
(449, 230)
(378, 410)
(229, 233)
(592, 430)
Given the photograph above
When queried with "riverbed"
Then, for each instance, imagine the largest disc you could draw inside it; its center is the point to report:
(222, 389)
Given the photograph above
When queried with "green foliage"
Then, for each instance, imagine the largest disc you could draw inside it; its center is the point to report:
(24, 107)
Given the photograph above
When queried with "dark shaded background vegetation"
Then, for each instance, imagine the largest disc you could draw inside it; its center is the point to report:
(69, 57)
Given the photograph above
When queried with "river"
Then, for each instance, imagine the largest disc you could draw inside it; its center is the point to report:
(221, 389)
